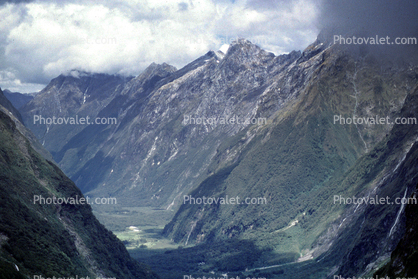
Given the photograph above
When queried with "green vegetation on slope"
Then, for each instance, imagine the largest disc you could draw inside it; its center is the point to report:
(51, 240)
(302, 160)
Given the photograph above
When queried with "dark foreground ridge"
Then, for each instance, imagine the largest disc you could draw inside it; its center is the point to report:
(61, 240)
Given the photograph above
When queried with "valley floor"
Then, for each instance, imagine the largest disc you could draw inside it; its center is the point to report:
(140, 229)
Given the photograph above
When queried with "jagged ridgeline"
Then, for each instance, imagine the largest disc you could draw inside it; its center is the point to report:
(50, 240)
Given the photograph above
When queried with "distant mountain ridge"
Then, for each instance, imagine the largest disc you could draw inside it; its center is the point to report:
(17, 99)
(6, 103)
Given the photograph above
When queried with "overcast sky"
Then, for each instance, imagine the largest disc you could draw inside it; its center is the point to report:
(41, 39)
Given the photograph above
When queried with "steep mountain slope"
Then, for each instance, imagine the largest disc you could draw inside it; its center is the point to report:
(62, 239)
(9, 109)
(355, 239)
(76, 94)
(363, 236)
(404, 257)
(8, 105)
(304, 159)
(290, 159)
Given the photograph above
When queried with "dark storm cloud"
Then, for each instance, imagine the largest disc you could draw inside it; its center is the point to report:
(375, 17)
(370, 18)
(2, 2)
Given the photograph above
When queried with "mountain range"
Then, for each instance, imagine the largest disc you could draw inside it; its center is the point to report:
(248, 124)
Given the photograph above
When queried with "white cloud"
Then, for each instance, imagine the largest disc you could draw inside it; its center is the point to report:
(8, 80)
(40, 40)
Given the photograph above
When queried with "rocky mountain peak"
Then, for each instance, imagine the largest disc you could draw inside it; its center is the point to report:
(148, 78)
(155, 69)
(244, 51)
(218, 55)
